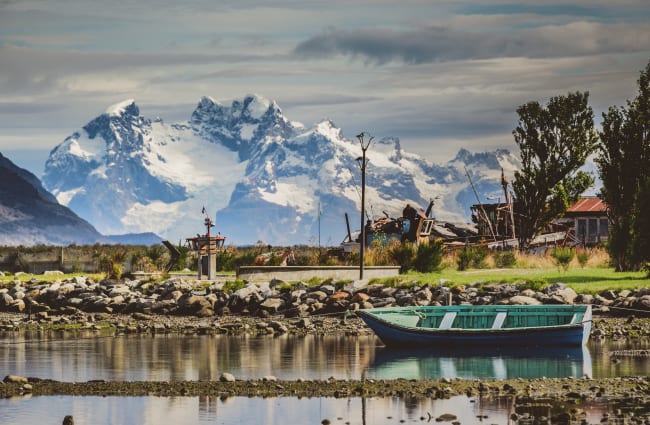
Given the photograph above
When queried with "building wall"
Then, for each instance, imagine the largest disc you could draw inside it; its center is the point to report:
(591, 230)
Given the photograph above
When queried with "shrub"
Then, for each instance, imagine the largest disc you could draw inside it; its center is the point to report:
(429, 256)
(116, 271)
(472, 257)
(403, 254)
(535, 285)
(583, 257)
(563, 256)
(464, 259)
(505, 259)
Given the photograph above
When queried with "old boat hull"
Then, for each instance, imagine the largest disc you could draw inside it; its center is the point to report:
(552, 325)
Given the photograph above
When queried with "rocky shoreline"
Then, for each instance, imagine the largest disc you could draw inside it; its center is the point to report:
(563, 400)
(205, 299)
(227, 386)
(276, 307)
(271, 308)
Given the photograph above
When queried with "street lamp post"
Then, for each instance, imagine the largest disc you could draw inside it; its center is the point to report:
(362, 163)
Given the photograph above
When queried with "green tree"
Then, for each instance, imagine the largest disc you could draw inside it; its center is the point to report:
(554, 142)
(623, 162)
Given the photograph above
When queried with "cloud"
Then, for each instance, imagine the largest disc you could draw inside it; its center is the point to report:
(440, 43)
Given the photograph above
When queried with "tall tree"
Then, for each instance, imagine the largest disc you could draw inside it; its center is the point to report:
(623, 162)
(554, 142)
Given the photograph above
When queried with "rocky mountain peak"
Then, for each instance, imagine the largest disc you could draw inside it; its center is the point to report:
(262, 174)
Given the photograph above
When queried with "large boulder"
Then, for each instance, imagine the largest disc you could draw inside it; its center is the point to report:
(523, 300)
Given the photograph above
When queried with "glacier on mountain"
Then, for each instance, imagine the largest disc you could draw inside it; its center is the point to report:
(267, 178)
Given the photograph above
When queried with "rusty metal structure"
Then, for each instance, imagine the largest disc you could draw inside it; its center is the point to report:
(206, 246)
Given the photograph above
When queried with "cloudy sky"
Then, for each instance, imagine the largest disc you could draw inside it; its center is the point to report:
(438, 74)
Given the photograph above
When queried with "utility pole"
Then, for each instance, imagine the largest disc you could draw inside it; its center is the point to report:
(362, 164)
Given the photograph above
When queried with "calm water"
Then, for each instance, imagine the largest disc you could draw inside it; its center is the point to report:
(81, 357)
(270, 411)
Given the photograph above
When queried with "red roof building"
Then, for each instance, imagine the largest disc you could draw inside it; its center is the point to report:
(590, 222)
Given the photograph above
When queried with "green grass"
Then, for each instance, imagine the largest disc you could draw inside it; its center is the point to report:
(587, 280)
(4, 280)
(583, 280)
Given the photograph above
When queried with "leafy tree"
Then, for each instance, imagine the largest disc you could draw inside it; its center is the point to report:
(623, 161)
(554, 142)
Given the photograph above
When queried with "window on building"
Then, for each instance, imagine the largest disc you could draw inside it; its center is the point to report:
(582, 229)
(604, 227)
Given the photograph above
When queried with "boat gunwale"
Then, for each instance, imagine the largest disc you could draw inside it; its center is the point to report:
(468, 331)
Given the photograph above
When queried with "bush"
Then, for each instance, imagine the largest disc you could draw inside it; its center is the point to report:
(583, 257)
(429, 256)
(464, 259)
(472, 257)
(505, 259)
(116, 271)
(403, 254)
(563, 256)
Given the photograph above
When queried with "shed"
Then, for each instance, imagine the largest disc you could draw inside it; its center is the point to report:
(590, 222)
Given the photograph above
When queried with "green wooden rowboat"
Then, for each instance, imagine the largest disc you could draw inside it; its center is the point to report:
(509, 325)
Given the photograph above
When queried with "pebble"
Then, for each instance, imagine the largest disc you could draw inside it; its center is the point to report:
(226, 377)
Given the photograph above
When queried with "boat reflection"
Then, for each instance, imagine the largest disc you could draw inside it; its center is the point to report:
(470, 363)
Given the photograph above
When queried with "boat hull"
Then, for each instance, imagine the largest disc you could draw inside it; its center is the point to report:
(396, 335)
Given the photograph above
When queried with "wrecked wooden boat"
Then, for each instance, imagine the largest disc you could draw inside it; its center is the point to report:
(486, 325)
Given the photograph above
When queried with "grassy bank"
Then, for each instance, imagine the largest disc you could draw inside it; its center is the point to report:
(587, 280)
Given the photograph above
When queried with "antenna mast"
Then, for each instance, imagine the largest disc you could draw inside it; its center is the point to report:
(480, 204)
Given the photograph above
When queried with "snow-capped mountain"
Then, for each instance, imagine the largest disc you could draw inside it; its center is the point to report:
(267, 178)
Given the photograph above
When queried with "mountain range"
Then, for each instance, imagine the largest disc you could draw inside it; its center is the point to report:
(265, 178)
(31, 215)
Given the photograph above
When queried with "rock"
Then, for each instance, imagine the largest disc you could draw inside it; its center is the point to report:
(272, 305)
(608, 295)
(446, 417)
(6, 300)
(269, 378)
(423, 296)
(68, 420)
(567, 294)
(320, 296)
(388, 291)
(360, 297)
(18, 306)
(278, 327)
(624, 293)
(303, 323)
(27, 388)
(328, 289)
(529, 293)
(356, 286)
(523, 300)
(80, 280)
(226, 377)
(15, 379)
(52, 272)
(340, 295)
(585, 299)
(297, 295)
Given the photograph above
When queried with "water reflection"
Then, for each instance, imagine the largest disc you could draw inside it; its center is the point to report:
(280, 410)
(80, 357)
(505, 363)
(243, 410)
(181, 357)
